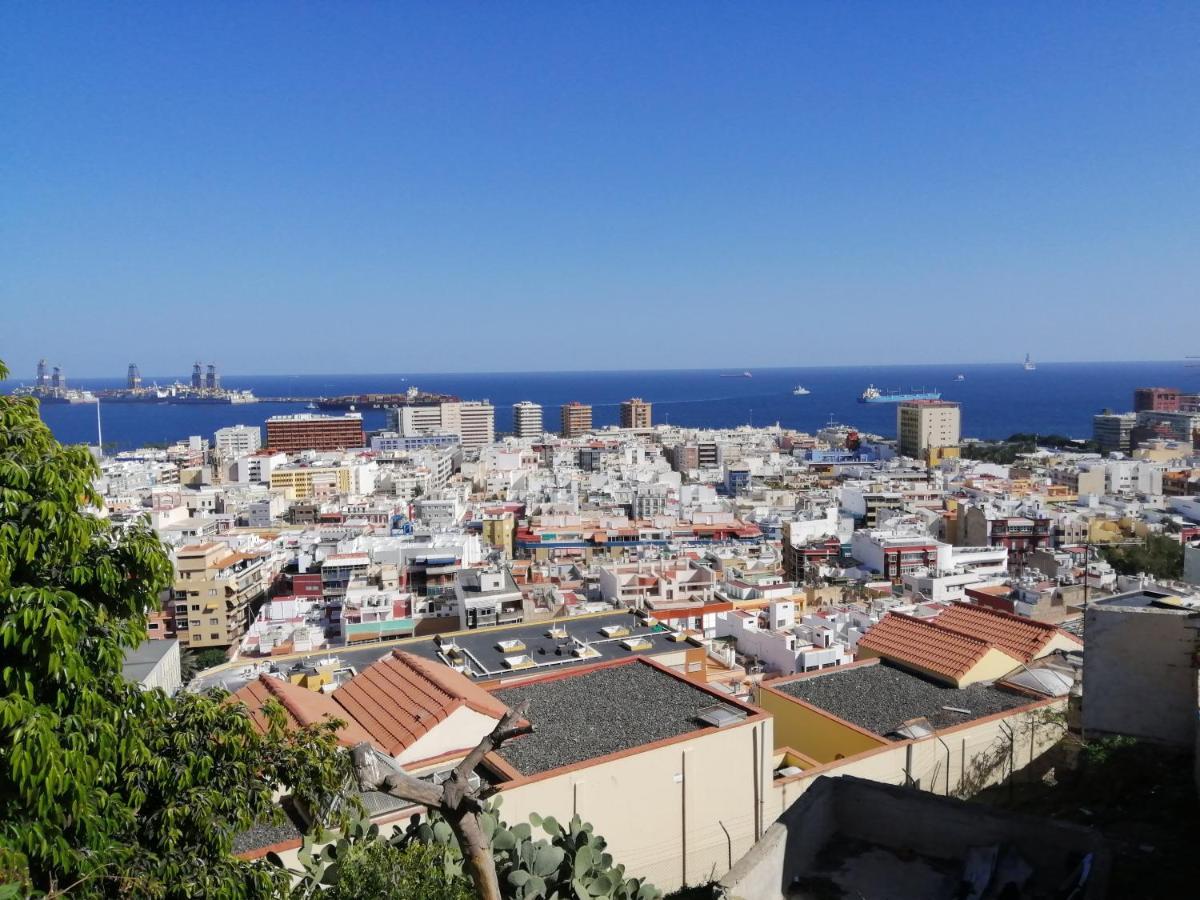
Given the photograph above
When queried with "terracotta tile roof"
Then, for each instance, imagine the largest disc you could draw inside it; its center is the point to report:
(924, 645)
(1015, 635)
(302, 706)
(401, 697)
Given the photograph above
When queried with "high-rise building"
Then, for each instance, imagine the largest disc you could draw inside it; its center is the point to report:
(133, 380)
(237, 440)
(215, 593)
(928, 429)
(474, 421)
(1167, 426)
(311, 432)
(635, 413)
(576, 419)
(527, 419)
(1113, 432)
(1156, 399)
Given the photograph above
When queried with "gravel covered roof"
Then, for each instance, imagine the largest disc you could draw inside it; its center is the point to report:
(881, 698)
(602, 711)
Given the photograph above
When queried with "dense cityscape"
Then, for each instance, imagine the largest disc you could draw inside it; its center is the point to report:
(623, 451)
(844, 595)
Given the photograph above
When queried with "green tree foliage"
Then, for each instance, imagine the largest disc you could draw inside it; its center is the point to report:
(382, 870)
(1159, 556)
(1007, 452)
(105, 789)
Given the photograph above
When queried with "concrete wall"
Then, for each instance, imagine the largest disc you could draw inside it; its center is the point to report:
(1139, 674)
(925, 824)
(965, 760)
(1191, 563)
(675, 801)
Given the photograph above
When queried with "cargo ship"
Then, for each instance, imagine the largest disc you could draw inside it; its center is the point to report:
(411, 397)
(874, 395)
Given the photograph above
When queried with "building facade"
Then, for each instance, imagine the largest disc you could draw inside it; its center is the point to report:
(1113, 432)
(576, 419)
(237, 440)
(635, 413)
(215, 594)
(292, 434)
(527, 419)
(1156, 399)
(928, 428)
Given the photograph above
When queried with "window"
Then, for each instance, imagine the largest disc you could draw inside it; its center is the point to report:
(214, 621)
(195, 623)
(215, 636)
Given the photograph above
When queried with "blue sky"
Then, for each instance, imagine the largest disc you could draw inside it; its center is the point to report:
(478, 187)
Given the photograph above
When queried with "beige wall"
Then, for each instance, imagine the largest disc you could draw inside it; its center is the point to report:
(461, 730)
(648, 804)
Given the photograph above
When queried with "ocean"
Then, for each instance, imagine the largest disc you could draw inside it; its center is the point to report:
(997, 400)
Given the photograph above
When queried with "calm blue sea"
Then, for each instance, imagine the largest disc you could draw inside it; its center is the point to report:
(997, 399)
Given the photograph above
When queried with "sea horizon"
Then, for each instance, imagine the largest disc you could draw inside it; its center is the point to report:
(1183, 361)
(998, 399)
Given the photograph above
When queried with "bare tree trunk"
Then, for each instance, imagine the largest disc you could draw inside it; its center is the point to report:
(457, 802)
(477, 855)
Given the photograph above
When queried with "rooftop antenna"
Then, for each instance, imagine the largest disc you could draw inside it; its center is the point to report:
(99, 433)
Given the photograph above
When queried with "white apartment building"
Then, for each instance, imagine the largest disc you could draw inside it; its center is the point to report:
(258, 466)
(780, 643)
(474, 421)
(237, 440)
(527, 419)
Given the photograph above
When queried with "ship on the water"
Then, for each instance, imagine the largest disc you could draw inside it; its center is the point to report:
(746, 374)
(51, 387)
(1029, 365)
(412, 397)
(874, 395)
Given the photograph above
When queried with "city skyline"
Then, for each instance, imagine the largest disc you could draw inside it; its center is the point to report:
(844, 185)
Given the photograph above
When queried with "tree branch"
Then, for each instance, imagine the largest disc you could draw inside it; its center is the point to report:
(454, 799)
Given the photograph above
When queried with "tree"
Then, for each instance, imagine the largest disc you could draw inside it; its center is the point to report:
(1159, 556)
(106, 789)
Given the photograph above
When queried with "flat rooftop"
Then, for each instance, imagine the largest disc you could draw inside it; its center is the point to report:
(881, 698)
(601, 711)
(550, 653)
(486, 659)
(1144, 600)
(140, 662)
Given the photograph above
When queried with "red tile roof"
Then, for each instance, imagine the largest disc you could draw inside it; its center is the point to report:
(1015, 635)
(302, 706)
(401, 697)
(924, 645)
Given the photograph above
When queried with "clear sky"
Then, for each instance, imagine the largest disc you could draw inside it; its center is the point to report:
(379, 187)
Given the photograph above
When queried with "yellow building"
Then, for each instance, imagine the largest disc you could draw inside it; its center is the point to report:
(499, 530)
(214, 594)
(306, 482)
